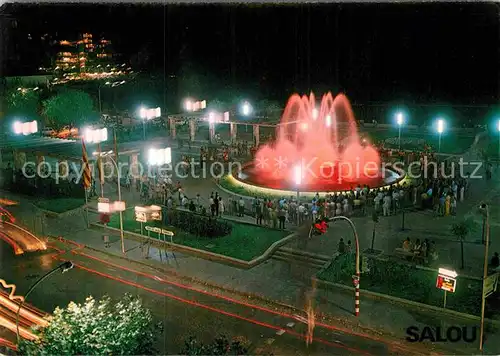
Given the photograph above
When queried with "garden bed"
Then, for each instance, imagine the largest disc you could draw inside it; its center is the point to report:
(451, 142)
(60, 205)
(244, 242)
(407, 282)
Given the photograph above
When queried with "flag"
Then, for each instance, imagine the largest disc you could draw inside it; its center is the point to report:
(86, 168)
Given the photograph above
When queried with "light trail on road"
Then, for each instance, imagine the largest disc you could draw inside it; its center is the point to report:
(25, 239)
(220, 311)
(156, 278)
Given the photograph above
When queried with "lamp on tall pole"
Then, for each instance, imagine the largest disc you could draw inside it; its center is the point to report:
(485, 211)
(148, 114)
(63, 267)
(440, 130)
(399, 121)
(356, 278)
(115, 164)
(97, 136)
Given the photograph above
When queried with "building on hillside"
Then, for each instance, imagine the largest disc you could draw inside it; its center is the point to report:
(86, 54)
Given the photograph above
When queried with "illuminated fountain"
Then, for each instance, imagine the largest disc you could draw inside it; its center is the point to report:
(325, 142)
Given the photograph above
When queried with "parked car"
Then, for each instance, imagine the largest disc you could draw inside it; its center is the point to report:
(48, 131)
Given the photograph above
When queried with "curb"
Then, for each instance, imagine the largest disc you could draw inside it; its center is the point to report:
(211, 256)
(375, 295)
(192, 279)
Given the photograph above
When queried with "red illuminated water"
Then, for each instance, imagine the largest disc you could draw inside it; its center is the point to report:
(324, 142)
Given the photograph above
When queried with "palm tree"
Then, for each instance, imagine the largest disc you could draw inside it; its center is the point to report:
(461, 230)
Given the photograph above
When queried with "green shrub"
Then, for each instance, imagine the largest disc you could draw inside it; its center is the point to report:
(197, 224)
(407, 282)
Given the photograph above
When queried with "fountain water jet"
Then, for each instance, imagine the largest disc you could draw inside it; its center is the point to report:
(324, 141)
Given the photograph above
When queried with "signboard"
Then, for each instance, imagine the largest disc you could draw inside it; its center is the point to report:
(140, 214)
(166, 232)
(155, 212)
(490, 285)
(446, 283)
(153, 229)
(147, 213)
(160, 231)
(103, 205)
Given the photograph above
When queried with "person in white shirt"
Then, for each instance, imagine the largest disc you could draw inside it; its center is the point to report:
(387, 205)
(184, 201)
(221, 207)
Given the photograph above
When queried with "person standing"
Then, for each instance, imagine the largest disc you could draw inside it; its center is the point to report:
(341, 247)
(241, 204)
(221, 207)
(447, 205)
(386, 205)
(281, 217)
(258, 212)
(216, 204)
(266, 213)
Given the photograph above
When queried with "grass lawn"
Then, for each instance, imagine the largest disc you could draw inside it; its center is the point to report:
(407, 282)
(451, 142)
(245, 241)
(60, 205)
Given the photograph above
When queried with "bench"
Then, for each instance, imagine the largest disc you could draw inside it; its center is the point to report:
(402, 253)
(408, 255)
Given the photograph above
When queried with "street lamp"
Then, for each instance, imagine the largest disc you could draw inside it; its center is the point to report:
(159, 156)
(246, 108)
(113, 84)
(484, 209)
(297, 173)
(148, 114)
(63, 267)
(97, 136)
(400, 121)
(440, 129)
(121, 204)
(25, 128)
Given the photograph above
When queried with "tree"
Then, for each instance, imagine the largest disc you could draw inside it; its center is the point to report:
(96, 328)
(220, 347)
(22, 102)
(461, 230)
(70, 107)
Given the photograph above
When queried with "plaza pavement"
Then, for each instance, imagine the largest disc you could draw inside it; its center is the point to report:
(287, 283)
(275, 280)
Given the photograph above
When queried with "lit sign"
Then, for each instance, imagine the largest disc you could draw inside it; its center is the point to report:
(147, 213)
(446, 280)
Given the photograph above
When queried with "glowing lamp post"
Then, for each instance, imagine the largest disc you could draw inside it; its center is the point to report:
(297, 174)
(400, 121)
(25, 128)
(246, 108)
(103, 205)
(97, 136)
(159, 157)
(440, 130)
(146, 115)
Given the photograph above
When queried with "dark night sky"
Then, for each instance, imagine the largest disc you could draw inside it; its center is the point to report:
(417, 52)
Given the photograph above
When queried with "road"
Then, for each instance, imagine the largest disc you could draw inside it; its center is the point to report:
(184, 309)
